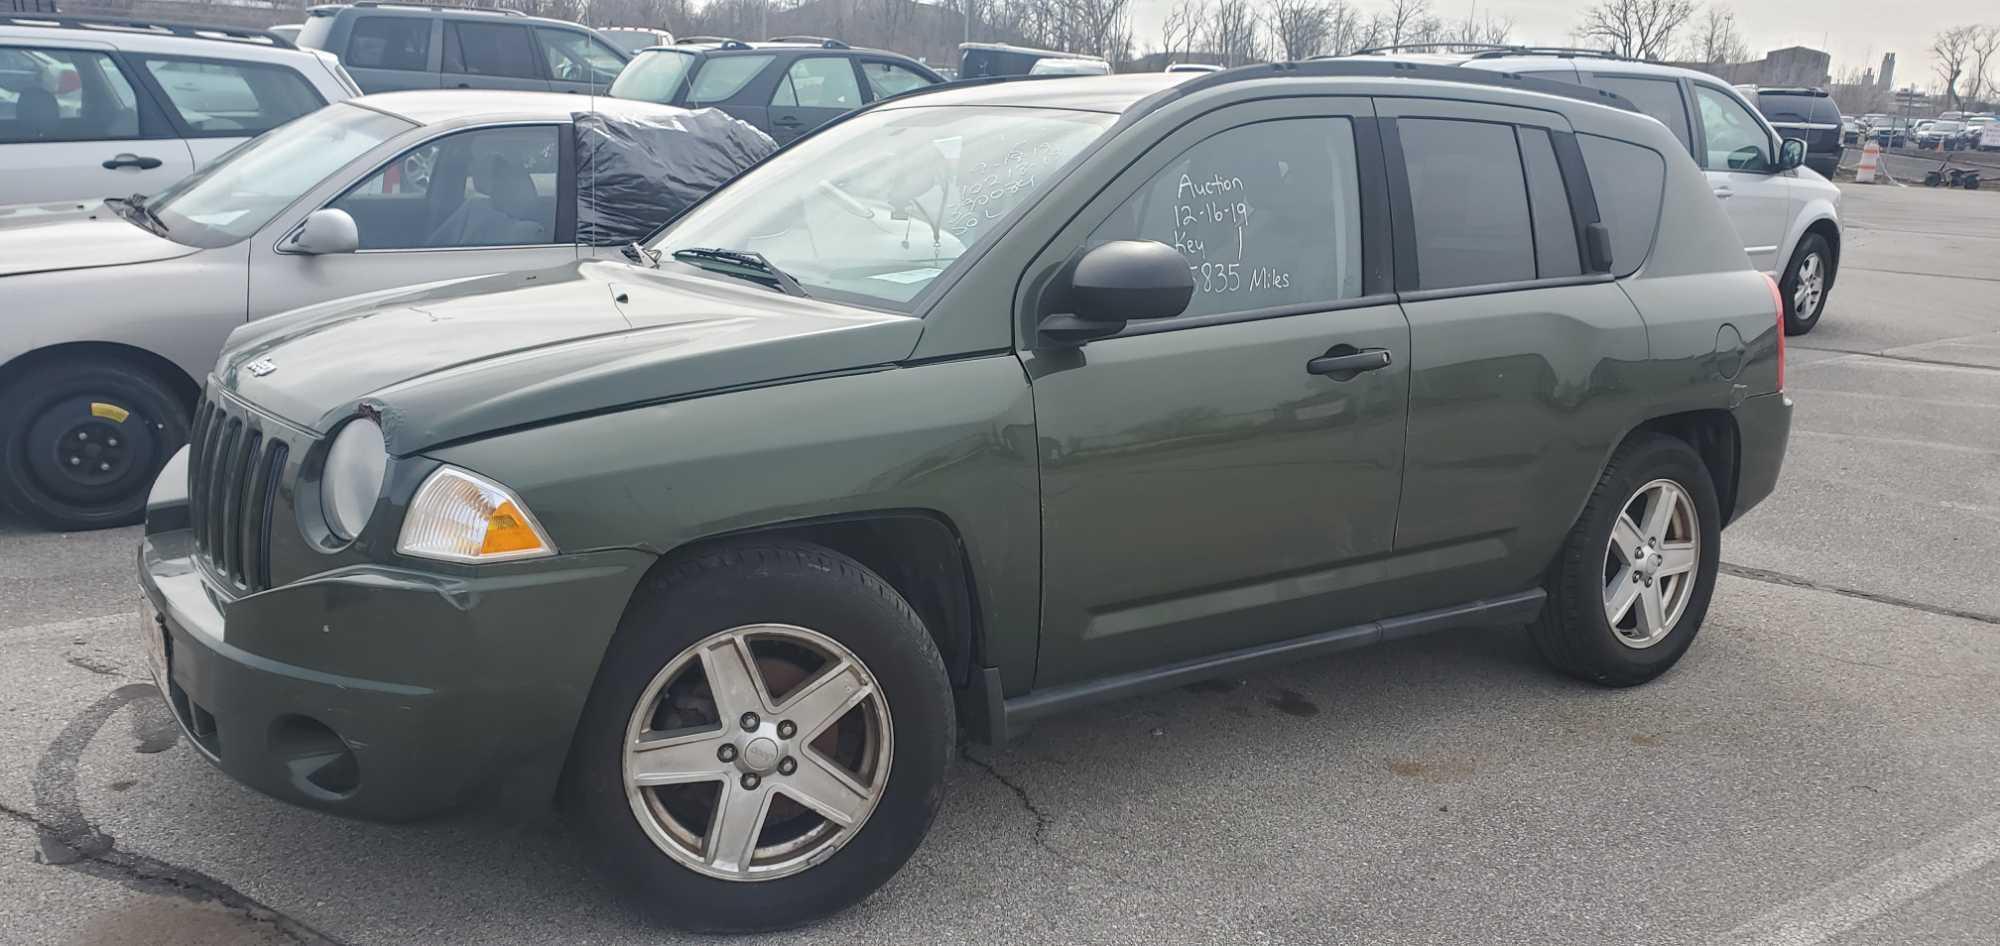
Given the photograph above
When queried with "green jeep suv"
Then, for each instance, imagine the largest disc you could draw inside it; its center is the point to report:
(978, 405)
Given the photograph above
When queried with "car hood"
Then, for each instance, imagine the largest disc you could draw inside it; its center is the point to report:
(457, 360)
(40, 238)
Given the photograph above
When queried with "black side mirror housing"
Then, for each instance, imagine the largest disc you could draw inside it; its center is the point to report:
(1118, 282)
(1791, 154)
(1597, 247)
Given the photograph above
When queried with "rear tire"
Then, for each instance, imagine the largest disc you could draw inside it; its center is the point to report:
(1576, 631)
(1808, 281)
(81, 441)
(666, 680)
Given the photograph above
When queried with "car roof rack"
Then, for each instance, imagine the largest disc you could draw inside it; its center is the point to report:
(820, 41)
(1559, 52)
(722, 41)
(1384, 68)
(1812, 90)
(1421, 47)
(418, 5)
(126, 24)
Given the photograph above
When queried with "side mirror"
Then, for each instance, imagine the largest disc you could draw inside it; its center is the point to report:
(325, 231)
(1117, 282)
(1597, 247)
(1791, 154)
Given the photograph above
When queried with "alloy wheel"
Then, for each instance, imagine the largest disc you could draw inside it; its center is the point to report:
(758, 752)
(1809, 287)
(1650, 563)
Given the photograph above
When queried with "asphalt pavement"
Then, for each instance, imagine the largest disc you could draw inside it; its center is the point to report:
(1823, 767)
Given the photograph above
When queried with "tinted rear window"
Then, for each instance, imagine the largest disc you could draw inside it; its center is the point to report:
(387, 42)
(1628, 181)
(1798, 109)
(1469, 200)
(1660, 98)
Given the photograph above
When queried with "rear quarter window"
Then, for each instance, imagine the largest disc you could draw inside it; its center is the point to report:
(1629, 181)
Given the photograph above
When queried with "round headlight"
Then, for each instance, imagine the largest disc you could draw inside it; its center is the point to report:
(355, 467)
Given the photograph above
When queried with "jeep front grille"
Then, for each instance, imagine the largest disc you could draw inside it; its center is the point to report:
(235, 469)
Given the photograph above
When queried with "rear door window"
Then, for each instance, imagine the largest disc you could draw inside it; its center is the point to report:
(389, 42)
(1469, 200)
(1628, 181)
(721, 77)
(64, 95)
(819, 82)
(1660, 98)
(887, 78)
(490, 49)
(230, 99)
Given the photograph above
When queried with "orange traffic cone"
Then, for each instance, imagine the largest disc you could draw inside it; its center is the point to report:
(1871, 158)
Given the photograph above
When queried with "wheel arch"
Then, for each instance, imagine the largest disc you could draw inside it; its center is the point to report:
(184, 386)
(1714, 435)
(918, 552)
(1827, 229)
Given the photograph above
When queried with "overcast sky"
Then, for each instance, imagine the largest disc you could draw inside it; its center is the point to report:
(1856, 32)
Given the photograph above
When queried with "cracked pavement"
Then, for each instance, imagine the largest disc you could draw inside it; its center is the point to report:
(1824, 767)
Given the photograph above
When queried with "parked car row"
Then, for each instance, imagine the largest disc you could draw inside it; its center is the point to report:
(976, 404)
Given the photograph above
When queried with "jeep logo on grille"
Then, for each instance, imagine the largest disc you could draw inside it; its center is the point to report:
(260, 367)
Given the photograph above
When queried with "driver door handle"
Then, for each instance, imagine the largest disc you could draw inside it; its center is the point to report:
(130, 160)
(1350, 362)
(1724, 193)
(786, 122)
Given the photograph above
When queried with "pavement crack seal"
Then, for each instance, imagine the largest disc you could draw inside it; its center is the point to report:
(69, 840)
(1780, 578)
(1043, 822)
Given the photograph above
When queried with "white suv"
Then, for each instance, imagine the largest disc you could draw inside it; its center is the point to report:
(1787, 215)
(96, 107)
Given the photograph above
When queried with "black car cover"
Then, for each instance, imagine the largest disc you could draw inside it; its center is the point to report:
(634, 174)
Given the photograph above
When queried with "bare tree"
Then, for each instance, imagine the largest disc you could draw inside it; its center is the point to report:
(1233, 33)
(1298, 27)
(1953, 48)
(1474, 31)
(1185, 24)
(1979, 82)
(1715, 40)
(1641, 29)
(1410, 21)
(1346, 31)
(1103, 27)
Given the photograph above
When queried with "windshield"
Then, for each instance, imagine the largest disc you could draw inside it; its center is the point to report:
(875, 208)
(1946, 126)
(241, 191)
(652, 76)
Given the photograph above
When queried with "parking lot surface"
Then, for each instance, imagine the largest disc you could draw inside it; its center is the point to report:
(1823, 767)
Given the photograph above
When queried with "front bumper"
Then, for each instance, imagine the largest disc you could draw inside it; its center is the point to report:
(380, 692)
(1764, 427)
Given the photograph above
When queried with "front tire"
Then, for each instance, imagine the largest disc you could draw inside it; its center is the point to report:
(1631, 585)
(766, 741)
(1808, 280)
(81, 441)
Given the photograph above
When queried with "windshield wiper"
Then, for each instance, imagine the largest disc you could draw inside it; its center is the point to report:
(741, 263)
(144, 215)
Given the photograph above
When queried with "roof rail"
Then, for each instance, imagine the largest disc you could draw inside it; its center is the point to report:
(820, 41)
(419, 5)
(124, 24)
(1414, 47)
(1561, 52)
(1385, 68)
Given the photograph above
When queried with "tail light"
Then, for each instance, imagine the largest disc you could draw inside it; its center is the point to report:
(1778, 303)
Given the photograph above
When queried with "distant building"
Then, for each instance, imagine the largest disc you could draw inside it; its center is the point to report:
(1887, 78)
(1793, 65)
